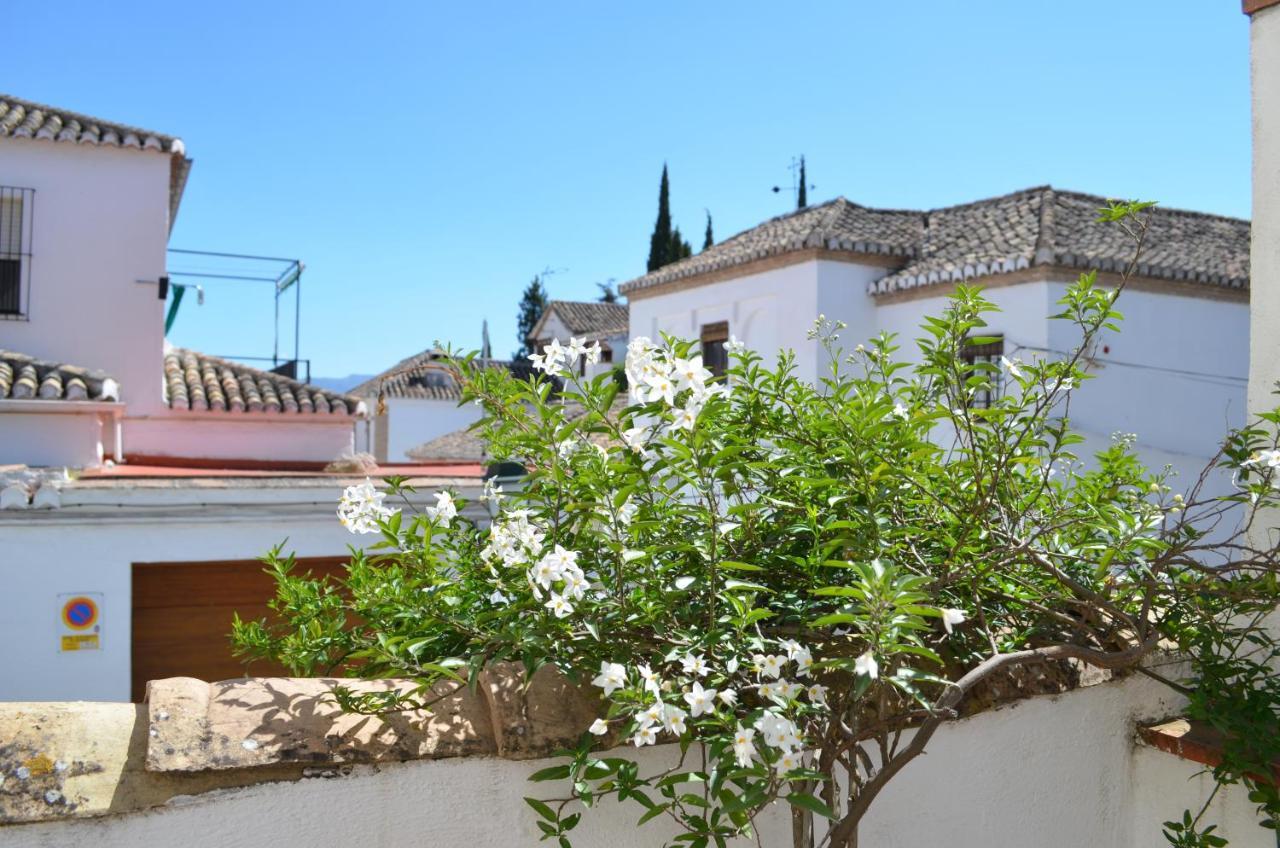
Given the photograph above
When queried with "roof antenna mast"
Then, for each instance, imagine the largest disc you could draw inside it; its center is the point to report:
(800, 186)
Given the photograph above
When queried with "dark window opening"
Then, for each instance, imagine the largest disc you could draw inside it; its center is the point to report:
(988, 353)
(15, 250)
(715, 351)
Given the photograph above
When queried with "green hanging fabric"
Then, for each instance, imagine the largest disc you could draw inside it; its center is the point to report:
(178, 292)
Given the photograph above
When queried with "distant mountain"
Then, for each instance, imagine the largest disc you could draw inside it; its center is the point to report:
(340, 384)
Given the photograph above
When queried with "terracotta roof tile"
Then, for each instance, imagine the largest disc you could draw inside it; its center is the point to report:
(427, 376)
(1046, 226)
(199, 382)
(26, 119)
(24, 377)
(835, 225)
(1036, 226)
(592, 319)
(20, 118)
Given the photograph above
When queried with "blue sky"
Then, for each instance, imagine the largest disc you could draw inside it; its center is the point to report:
(426, 159)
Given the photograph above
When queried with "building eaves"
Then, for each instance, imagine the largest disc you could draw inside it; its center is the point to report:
(1043, 226)
(21, 118)
(25, 377)
(837, 226)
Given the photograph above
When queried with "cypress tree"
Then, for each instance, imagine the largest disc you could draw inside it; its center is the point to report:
(802, 199)
(660, 242)
(680, 249)
(532, 304)
(708, 239)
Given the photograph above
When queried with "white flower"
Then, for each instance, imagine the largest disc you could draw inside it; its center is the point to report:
(636, 437)
(652, 714)
(744, 747)
(777, 731)
(790, 646)
(593, 353)
(685, 417)
(559, 605)
(818, 694)
(786, 690)
(612, 676)
(554, 355)
(731, 666)
(651, 680)
(1269, 458)
(769, 665)
(788, 761)
(575, 583)
(952, 617)
(900, 410)
(659, 387)
(576, 348)
(539, 361)
(360, 508)
(734, 345)
(673, 719)
(627, 511)
(866, 664)
(694, 664)
(497, 598)
(728, 697)
(645, 735)
(444, 511)
(599, 727)
(804, 661)
(492, 491)
(545, 572)
(1011, 366)
(700, 700)
(690, 372)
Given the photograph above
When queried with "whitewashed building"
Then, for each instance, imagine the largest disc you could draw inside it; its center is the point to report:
(414, 402)
(1175, 376)
(139, 482)
(86, 207)
(605, 324)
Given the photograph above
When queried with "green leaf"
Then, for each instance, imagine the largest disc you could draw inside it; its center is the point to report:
(552, 773)
(805, 801)
(542, 809)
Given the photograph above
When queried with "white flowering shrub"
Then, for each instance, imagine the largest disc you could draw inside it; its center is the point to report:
(796, 584)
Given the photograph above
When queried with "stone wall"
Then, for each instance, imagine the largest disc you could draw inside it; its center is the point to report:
(274, 762)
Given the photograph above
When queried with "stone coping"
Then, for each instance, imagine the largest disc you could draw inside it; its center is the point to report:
(63, 760)
(76, 759)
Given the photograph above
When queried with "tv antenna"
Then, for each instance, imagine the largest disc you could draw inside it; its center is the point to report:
(796, 168)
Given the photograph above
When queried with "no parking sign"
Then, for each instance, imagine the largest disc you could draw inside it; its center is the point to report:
(80, 621)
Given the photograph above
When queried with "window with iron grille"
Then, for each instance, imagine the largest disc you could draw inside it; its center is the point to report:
(715, 354)
(15, 250)
(988, 352)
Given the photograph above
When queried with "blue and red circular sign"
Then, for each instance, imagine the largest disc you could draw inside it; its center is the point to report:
(80, 613)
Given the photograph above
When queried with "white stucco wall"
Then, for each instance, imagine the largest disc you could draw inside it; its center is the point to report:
(55, 438)
(263, 436)
(91, 542)
(768, 311)
(1059, 772)
(413, 421)
(1175, 375)
(101, 223)
(1265, 256)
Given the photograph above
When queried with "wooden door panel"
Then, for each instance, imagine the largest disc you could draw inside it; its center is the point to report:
(182, 615)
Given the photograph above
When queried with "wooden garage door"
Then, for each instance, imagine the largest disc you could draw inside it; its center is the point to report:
(182, 616)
